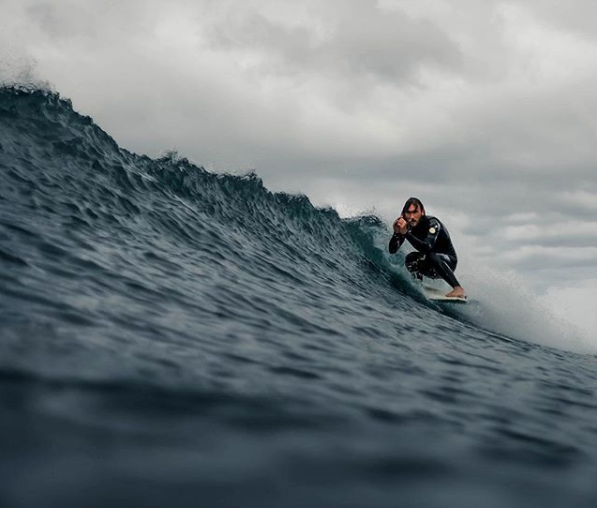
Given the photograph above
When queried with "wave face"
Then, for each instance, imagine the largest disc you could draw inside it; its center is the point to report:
(173, 336)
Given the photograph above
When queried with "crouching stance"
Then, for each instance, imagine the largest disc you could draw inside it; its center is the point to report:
(435, 257)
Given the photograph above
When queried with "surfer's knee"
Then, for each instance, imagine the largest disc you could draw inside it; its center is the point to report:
(434, 257)
(442, 260)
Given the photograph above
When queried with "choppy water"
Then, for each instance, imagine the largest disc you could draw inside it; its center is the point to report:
(172, 337)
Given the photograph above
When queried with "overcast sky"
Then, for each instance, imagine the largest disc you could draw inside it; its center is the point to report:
(485, 110)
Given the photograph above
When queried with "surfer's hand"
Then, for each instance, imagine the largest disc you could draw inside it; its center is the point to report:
(400, 226)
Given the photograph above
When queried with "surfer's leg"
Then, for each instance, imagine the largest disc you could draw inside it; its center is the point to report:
(444, 265)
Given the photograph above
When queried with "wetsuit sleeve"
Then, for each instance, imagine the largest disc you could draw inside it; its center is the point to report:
(426, 244)
(395, 242)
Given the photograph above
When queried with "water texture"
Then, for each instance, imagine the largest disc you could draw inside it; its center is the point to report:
(173, 337)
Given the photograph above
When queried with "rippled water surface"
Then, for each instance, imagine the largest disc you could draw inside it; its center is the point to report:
(170, 336)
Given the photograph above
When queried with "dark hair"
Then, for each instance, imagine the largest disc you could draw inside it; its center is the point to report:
(413, 201)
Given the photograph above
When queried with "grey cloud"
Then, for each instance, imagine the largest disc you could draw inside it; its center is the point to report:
(96, 25)
(48, 20)
(362, 40)
(578, 17)
(567, 241)
(548, 264)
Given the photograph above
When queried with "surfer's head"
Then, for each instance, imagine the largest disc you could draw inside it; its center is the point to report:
(412, 211)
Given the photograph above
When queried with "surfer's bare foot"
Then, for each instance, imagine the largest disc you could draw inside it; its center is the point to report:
(457, 292)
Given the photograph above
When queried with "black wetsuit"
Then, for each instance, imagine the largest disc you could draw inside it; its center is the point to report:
(436, 256)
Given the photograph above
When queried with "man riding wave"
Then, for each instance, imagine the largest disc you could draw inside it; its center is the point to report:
(435, 256)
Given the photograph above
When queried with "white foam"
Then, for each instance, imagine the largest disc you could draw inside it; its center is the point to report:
(575, 303)
(17, 68)
(504, 305)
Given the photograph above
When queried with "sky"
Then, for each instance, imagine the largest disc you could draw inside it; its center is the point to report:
(484, 110)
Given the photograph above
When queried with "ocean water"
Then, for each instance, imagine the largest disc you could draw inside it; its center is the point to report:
(173, 337)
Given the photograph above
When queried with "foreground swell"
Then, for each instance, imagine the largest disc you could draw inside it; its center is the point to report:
(173, 336)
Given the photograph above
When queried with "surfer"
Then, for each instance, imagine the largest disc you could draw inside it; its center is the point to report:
(435, 256)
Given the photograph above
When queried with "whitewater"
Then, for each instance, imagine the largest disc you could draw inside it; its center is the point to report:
(171, 336)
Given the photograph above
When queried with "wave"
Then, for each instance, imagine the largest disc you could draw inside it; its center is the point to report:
(105, 251)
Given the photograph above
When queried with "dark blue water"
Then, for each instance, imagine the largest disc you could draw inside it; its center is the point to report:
(172, 337)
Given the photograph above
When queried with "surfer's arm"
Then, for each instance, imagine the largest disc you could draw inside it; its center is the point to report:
(395, 242)
(425, 245)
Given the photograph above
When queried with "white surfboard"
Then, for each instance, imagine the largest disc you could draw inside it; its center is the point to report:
(439, 296)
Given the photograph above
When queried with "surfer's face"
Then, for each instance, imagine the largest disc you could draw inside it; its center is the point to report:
(413, 215)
